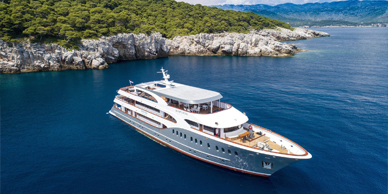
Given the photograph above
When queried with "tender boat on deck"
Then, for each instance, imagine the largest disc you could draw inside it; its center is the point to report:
(195, 122)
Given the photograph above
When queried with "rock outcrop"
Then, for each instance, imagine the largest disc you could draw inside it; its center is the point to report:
(96, 54)
(92, 54)
(257, 43)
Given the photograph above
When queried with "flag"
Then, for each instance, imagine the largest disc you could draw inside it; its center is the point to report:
(131, 82)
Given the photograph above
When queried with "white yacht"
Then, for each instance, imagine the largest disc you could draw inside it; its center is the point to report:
(193, 121)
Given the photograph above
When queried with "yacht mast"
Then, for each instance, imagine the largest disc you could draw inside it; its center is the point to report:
(166, 76)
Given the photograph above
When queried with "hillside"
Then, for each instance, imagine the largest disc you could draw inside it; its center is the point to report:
(66, 22)
(349, 13)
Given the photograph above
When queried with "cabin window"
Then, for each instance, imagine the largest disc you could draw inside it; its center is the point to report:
(230, 129)
(200, 142)
(229, 152)
(173, 131)
(223, 150)
(210, 129)
(192, 123)
(176, 132)
(217, 148)
(160, 85)
(208, 145)
(185, 136)
(195, 140)
(180, 134)
(235, 153)
(191, 139)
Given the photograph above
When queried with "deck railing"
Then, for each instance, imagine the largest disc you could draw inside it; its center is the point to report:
(148, 109)
(147, 120)
(220, 104)
(216, 108)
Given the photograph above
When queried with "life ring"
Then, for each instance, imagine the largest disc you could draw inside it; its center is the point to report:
(250, 127)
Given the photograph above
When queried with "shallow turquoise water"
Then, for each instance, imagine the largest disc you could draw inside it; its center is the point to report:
(57, 138)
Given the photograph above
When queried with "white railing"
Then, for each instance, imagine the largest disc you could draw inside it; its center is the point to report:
(221, 104)
(145, 119)
(148, 109)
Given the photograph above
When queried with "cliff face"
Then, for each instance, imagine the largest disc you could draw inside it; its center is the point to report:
(257, 43)
(95, 54)
(92, 54)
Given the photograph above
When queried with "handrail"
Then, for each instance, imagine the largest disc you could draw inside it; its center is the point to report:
(139, 119)
(227, 104)
(262, 149)
(145, 110)
(230, 106)
(306, 153)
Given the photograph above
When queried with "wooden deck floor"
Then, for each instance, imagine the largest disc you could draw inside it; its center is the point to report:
(262, 138)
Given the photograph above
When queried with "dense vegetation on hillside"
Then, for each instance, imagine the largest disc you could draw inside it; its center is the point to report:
(67, 21)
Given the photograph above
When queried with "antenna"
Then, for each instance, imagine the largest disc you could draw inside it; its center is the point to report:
(166, 76)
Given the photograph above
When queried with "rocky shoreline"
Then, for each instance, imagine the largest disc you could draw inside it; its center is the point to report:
(96, 54)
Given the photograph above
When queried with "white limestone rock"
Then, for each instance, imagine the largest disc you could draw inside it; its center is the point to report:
(95, 54)
(256, 43)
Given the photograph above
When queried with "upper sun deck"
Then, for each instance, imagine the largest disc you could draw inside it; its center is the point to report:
(180, 92)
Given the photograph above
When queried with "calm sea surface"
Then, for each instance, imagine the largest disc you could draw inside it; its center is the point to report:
(57, 138)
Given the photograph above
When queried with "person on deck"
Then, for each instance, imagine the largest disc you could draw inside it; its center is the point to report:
(251, 134)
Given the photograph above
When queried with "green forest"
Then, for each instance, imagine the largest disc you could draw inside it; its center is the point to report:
(67, 21)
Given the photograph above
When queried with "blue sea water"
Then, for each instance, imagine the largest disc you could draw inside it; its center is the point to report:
(57, 138)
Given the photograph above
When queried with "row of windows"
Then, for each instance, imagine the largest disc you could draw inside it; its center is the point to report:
(200, 142)
(147, 106)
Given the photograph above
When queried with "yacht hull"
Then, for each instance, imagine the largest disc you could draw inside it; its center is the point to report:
(209, 150)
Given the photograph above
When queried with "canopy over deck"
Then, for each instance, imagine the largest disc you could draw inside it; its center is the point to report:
(188, 94)
(180, 92)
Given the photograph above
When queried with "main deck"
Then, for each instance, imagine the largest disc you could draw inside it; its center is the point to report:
(262, 139)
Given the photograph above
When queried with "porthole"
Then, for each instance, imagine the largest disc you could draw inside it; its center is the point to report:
(223, 150)
(200, 142)
(208, 145)
(195, 140)
(235, 153)
(217, 148)
(230, 153)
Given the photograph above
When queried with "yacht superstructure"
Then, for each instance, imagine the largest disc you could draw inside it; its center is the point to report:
(195, 122)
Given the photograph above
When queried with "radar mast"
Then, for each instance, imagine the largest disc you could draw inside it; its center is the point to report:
(166, 76)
